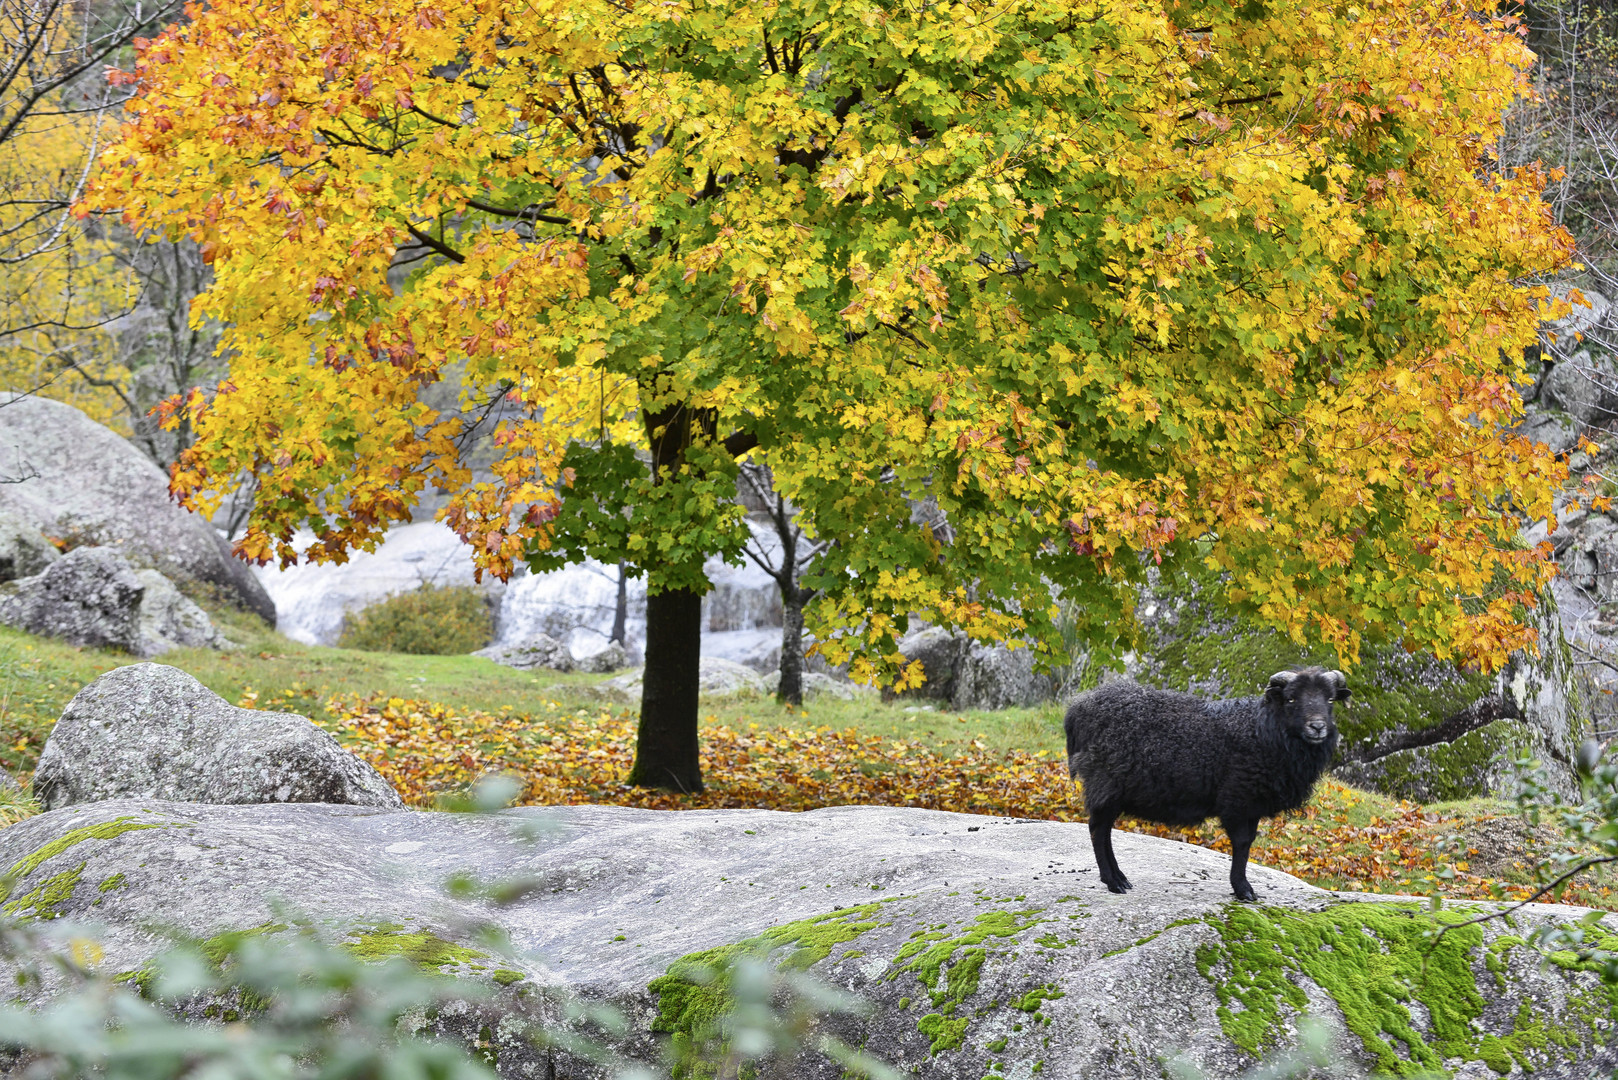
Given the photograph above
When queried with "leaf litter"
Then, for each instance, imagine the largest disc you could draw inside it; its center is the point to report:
(1344, 839)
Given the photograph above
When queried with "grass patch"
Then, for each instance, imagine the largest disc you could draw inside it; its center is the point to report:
(38, 676)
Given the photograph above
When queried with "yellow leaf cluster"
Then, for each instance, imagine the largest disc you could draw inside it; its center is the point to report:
(1109, 284)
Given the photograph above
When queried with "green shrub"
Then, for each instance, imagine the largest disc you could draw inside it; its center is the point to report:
(431, 621)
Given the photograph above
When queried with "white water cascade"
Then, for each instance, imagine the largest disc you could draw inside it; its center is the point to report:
(741, 616)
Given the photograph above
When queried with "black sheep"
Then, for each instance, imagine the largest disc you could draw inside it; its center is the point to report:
(1179, 760)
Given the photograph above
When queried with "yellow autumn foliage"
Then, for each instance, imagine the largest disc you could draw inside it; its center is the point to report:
(1114, 283)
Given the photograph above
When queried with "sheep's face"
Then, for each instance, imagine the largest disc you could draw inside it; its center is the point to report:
(1305, 699)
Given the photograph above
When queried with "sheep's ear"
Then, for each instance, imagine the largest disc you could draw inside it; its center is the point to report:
(1280, 681)
(1340, 681)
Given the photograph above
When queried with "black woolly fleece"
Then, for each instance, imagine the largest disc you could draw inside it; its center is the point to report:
(1177, 759)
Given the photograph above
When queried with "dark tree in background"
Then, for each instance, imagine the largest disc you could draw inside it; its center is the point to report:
(786, 564)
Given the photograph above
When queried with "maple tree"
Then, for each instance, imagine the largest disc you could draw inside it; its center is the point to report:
(1111, 282)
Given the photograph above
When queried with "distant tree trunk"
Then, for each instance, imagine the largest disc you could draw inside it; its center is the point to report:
(666, 746)
(620, 614)
(793, 597)
(790, 691)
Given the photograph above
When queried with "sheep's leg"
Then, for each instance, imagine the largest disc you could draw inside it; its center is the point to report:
(1242, 834)
(1101, 819)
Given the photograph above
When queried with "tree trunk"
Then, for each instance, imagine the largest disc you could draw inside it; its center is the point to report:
(666, 746)
(790, 692)
(620, 613)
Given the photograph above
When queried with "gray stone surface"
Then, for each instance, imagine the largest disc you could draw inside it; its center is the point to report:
(90, 597)
(998, 677)
(1585, 545)
(168, 620)
(972, 675)
(93, 597)
(24, 551)
(544, 651)
(817, 684)
(613, 658)
(152, 730)
(1582, 387)
(976, 940)
(715, 678)
(535, 651)
(1556, 430)
(939, 654)
(86, 484)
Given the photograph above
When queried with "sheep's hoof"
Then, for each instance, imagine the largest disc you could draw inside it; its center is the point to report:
(1121, 885)
(1245, 893)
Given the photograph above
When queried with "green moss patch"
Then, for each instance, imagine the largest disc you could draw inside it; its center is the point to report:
(217, 948)
(45, 900)
(421, 947)
(946, 1032)
(1032, 1001)
(926, 956)
(694, 996)
(1377, 962)
(106, 830)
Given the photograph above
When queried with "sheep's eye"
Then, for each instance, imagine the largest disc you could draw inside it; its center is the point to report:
(1291, 700)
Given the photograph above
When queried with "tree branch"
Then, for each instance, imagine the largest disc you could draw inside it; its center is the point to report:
(427, 240)
(527, 213)
(1560, 881)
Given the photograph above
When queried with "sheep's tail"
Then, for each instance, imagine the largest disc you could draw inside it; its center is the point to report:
(1076, 728)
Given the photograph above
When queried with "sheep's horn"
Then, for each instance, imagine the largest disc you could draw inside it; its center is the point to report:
(1280, 679)
(1341, 682)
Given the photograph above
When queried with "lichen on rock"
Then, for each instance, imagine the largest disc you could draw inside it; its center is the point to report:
(105, 830)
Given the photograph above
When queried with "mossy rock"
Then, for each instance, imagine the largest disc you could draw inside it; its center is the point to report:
(1407, 991)
(1412, 711)
(1479, 761)
(989, 950)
